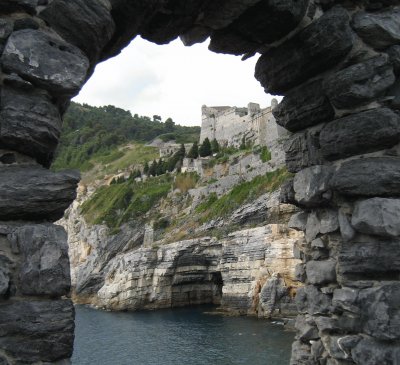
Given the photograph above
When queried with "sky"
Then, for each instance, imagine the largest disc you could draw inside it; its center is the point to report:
(173, 81)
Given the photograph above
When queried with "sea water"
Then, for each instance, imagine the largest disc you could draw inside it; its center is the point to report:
(186, 336)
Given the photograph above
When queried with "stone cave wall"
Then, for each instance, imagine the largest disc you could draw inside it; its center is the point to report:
(337, 65)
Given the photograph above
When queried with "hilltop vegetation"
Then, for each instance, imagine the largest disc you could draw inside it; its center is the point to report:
(94, 134)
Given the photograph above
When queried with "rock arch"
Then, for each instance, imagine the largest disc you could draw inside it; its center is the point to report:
(338, 67)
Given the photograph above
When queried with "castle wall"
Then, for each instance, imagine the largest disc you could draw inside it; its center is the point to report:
(228, 125)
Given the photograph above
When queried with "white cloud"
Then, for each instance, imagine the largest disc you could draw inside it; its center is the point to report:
(173, 81)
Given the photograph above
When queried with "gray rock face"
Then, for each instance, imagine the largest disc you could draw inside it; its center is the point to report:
(54, 65)
(303, 107)
(368, 131)
(375, 309)
(315, 49)
(306, 327)
(377, 216)
(68, 18)
(321, 221)
(381, 311)
(321, 272)
(6, 28)
(346, 230)
(310, 300)
(303, 150)
(44, 260)
(366, 258)
(311, 185)
(298, 221)
(381, 29)
(301, 354)
(29, 123)
(271, 295)
(254, 212)
(394, 56)
(360, 83)
(286, 195)
(375, 176)
(5, 268)
(253, 28)
(34, 193)
(37, 330)
(371, 352)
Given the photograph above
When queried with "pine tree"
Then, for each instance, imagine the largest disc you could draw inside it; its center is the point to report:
(194, 151)
(205, 148)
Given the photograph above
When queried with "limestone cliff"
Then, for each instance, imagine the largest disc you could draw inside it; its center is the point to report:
(250, 271)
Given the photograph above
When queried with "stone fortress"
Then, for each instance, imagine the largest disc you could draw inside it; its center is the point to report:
(228, 125)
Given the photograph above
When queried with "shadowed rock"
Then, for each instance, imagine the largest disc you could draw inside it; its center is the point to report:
(317, 48)
(34, 193)
(394, 56)
(265, 22)
(10, 6)
(86, 24)
(171, 19)
(303, 107)
(6, 28)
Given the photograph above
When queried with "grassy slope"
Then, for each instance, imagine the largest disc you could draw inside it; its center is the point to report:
(118, 203)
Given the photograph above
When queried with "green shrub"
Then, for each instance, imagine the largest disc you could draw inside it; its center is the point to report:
(205, 205)
(119, 203)
(265, 154)
(215, 207)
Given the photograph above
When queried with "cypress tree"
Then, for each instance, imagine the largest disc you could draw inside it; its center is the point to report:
(153, 168)
(194, 151)
(146, 168)
(215, 146)
(205, 148)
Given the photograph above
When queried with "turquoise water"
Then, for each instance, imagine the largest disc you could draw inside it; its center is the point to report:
(184, 336)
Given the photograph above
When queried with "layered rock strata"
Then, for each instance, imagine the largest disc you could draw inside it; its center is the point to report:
(347, 50)
(249, 272)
